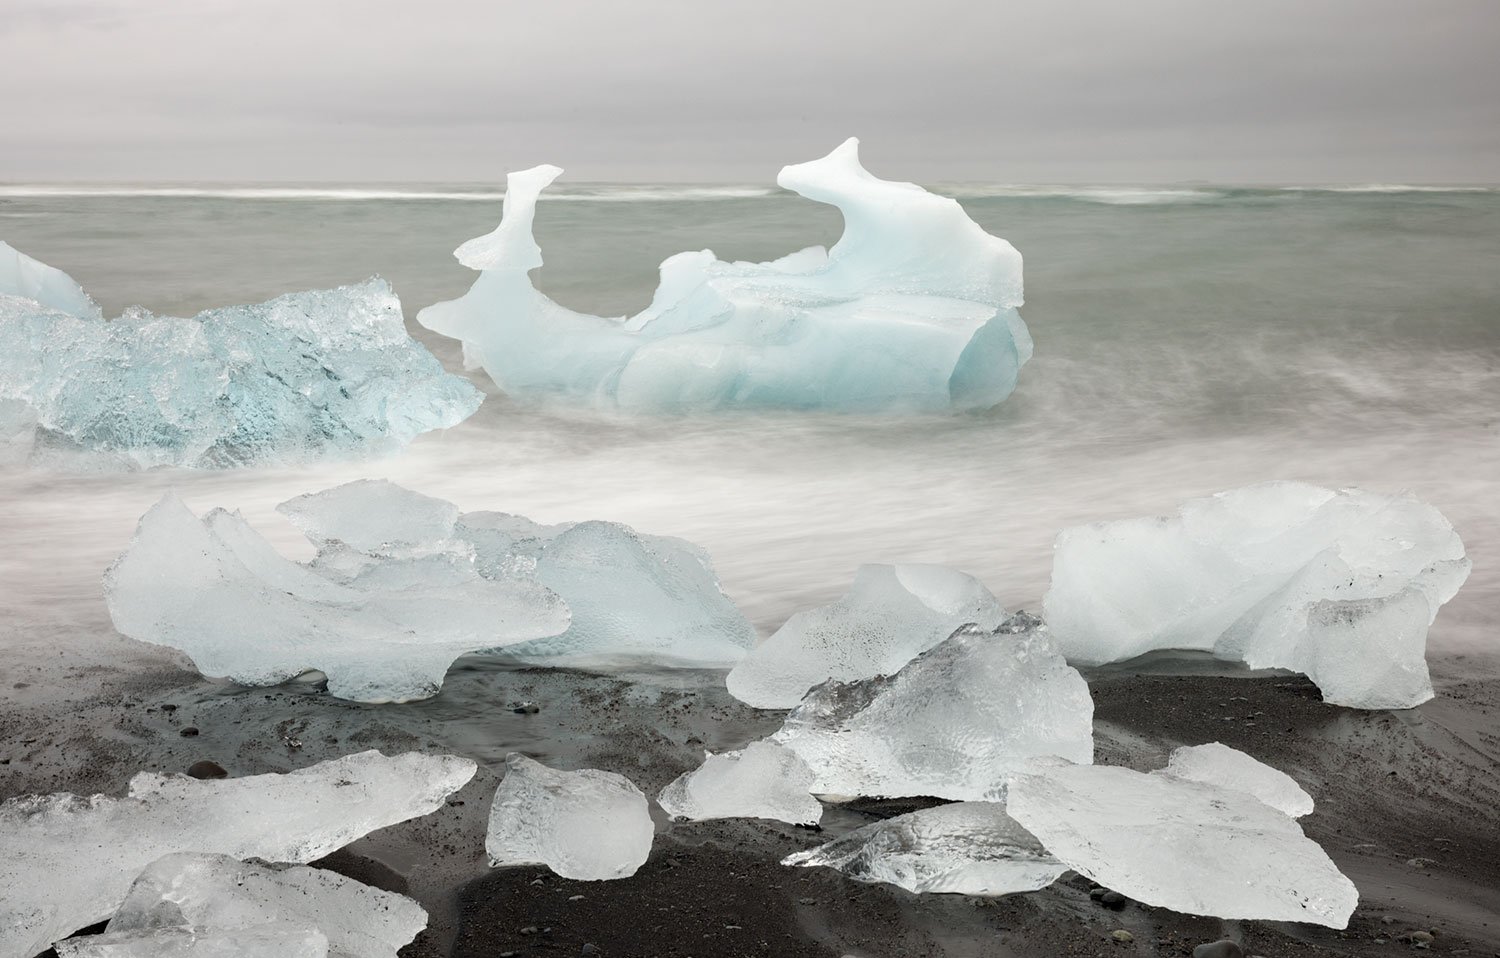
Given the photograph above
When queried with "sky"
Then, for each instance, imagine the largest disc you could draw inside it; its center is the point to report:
(999, 91)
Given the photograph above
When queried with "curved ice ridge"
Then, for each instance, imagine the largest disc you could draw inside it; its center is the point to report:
(914, 309)
(304, 376)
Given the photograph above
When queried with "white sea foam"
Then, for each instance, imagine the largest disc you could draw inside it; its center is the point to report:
(1109, 195)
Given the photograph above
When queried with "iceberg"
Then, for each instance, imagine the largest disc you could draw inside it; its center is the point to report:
(1340, 586)
(216, 590)
(266, 941)
(967, 848)
(890, 615)
(761, 780)
(305, 376)
(216, 895)
(68, 861)
(586, 825)
(1173, 843)
(914, 309)
(953, 723)
(1218, 764)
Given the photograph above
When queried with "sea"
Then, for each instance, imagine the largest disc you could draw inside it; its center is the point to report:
(1189, 339)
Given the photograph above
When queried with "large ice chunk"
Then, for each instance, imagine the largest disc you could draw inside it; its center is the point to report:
(1341, 586)
(588, 825)
(967, 848)
(761, 780)
(67, 861)
(216, 590)
(913, 309)
(264, 941)
(1184, 845)
(1218, 764)
(635, 599)
(953, 723)
(327, 373)
(891, 614)
(217, 894)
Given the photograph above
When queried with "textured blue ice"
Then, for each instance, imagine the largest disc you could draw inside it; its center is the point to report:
(326, 373)
(914, 309)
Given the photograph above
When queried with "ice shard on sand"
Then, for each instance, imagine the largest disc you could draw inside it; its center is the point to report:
(952, 723)
(216, 590)
(67, 861)
(891, 614)
(1189, 846)
(197, 895)
(761, 780)
(589, 825)
(968, 848)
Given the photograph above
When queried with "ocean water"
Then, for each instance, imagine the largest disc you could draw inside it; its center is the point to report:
(1188, 340)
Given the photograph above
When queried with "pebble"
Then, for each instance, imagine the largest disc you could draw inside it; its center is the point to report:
(207, 769)
(526, 708)
(1224, 948)
(190, 731)
(529, 930)
(1113, 900)
(1122, 936)
(589, 948)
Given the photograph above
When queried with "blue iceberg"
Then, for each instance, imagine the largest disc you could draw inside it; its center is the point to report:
(305, 376)
(914, 309)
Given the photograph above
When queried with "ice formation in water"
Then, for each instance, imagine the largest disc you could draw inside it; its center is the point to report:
(207, 895)
(1341, 586)
(913, 309)
(303, 376)
(265, 941)
(968, 848)
(67, 861)
(216, 590)
(1218, 764)
(952, 723)
(761, 780)
(891, 614)
(1184, 845)
(587, 825)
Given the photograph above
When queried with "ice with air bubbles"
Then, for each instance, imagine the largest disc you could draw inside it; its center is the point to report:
(952, 723)
(589, 825)
(968, 848)
(305, 376)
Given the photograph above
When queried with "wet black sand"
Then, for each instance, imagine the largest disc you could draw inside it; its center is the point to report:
(1407, 807)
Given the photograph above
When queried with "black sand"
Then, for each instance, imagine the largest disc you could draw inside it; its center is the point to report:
(1406, 807)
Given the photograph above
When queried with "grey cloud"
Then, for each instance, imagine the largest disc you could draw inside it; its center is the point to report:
(1092, 90)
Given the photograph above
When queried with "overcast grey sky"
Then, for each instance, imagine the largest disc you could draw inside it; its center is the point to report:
(986, 90)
